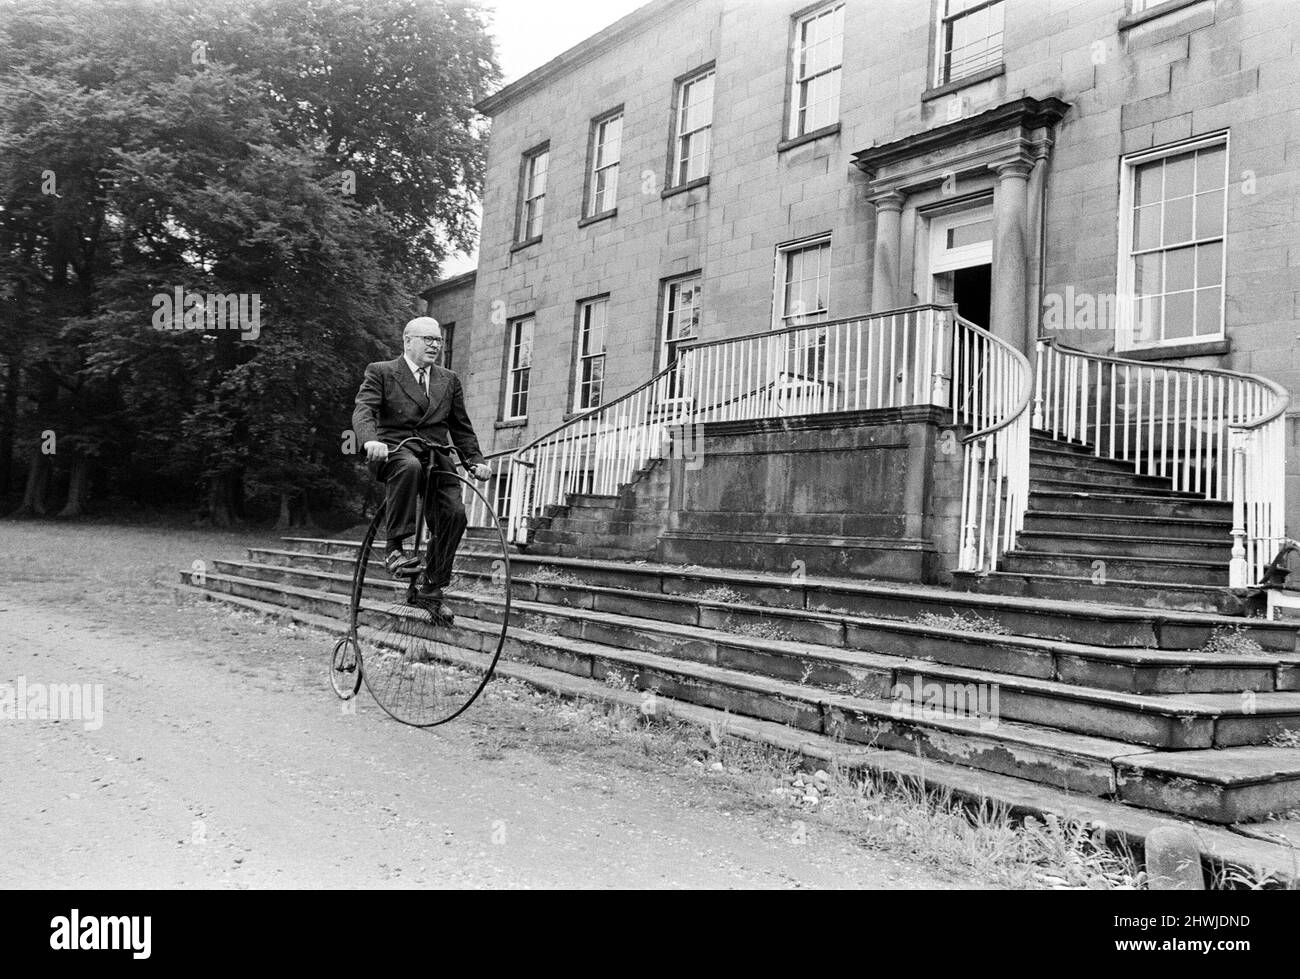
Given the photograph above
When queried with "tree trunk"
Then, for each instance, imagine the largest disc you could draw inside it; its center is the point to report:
(284, 521)
(8, 423)
(220, 513)
(78, 487)
(305, 517)
(38, 480)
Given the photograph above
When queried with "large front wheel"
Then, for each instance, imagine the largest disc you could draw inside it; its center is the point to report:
(422, 665)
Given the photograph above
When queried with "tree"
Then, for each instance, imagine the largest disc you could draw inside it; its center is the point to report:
(316, 158)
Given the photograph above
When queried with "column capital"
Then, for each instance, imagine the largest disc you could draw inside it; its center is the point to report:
(1013, 170)
(890, 200)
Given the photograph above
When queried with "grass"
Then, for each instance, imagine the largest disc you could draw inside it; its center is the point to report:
(961, 622)
(1231, 641)
(886, 813)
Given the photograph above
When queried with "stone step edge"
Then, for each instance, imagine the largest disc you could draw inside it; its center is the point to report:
(1114, 582)
(1062, 744)
(1077, 535)
(1122, 824)
(1173, 562)
(1097, 611)
(1148, 704)
(1122, 655)
(1193, 500)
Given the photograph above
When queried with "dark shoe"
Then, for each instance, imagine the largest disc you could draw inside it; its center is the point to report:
(400, 564)
(431, 602)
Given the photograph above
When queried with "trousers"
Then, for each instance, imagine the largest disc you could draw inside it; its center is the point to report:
(402, 474)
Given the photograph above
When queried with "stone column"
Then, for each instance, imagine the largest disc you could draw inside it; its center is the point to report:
(1011, 255)
(884, 266)
(1037, 220)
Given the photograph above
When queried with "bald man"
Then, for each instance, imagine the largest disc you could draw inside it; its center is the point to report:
(409, 396)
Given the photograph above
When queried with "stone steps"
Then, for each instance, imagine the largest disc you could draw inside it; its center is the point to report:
(1171, 721)
(1130, 506)
(1125, 525)
(1131, 670)
(1078, 762)
(1164, 595)
(1214, 551)
(1082, 621)
(1098, 568)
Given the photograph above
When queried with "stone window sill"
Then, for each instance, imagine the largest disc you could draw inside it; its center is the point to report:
(527, 243)
(602, 216)
(789, 144)
(1168, 7)
(966, 81)
(512, 423)
(1203, 348)
(682, 188)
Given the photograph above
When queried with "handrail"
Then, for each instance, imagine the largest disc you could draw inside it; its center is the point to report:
(886, 359)
(1212, 431)
(590, 412)
(1025, 397)
(995, 464)
(1278, 389)
(843, 320)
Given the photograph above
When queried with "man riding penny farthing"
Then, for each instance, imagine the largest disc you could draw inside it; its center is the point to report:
(423, 664)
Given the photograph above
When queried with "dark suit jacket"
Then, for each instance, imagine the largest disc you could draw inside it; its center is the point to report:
(390, 407)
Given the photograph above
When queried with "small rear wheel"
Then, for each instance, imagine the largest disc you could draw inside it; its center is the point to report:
(345, 667)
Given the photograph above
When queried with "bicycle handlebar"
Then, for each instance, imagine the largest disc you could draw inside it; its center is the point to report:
(448, 447)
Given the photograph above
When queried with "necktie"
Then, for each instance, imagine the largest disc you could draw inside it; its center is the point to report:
(423, 375)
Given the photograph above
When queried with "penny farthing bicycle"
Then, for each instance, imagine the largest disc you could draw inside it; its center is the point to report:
(426, 667)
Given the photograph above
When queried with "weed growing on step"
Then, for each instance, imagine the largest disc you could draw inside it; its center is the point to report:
(757, 630)
(886, 812)
(722, 595)
(961, 622)
(1231, 878)
(617, 680)
(1232, 641)
(542, 625)
(1285, 739)
(553, 576)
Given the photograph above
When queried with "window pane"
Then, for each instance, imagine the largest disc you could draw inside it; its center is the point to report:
(1146, 321)
(1208, 310)
(526, 344)
(1209, 214)
(1178, 221)
(1180, 269)
(1179, 321)
(1210, 168)
(1178, 175)
(1148, 186)
(1209, 264)
(970, 234)
(1147, 274)
(1146, 227)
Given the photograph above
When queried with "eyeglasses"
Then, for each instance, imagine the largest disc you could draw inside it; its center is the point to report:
(428, 341)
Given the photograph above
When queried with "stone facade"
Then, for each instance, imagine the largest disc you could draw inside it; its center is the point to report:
(1039, 138)
(451, 302)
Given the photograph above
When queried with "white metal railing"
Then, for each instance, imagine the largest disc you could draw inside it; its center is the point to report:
(992, 383)
(1214, 432)
(922, 355)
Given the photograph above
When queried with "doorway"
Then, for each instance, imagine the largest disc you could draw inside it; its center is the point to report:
(961, 275)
